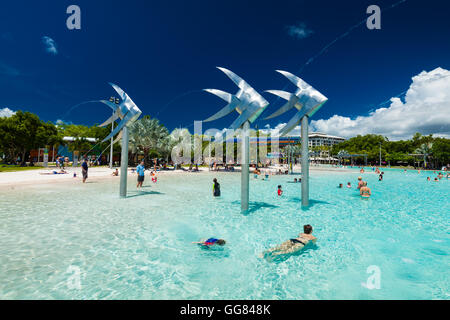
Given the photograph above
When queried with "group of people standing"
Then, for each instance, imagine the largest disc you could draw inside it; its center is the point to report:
(364, 190)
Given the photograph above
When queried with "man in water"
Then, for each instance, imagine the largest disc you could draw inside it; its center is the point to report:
(280, 191)
(360, 182)
(84, 170)
(365, 191)
(292, 245)
(216, 188)
(140, 172)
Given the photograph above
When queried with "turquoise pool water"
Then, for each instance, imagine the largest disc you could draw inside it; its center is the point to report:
(140, 247)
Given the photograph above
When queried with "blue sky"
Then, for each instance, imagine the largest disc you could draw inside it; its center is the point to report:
(163, 53)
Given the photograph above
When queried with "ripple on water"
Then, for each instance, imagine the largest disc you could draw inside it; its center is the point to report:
(140, 247)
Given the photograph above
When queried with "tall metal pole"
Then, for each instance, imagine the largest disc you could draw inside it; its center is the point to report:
(111, 148)
(305, 162)
(124, 163)
(245, 172)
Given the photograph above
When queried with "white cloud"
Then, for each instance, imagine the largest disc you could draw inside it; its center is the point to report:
(50, 45)
(6, 112)
(426, 109)
(299, 31)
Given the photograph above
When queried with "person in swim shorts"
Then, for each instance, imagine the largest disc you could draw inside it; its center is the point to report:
(293, 245)
(280, 191)
(140, 172)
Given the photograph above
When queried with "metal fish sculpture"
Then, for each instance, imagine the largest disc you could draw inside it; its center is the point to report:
(306, 100)
(126, 111)
(247, 101)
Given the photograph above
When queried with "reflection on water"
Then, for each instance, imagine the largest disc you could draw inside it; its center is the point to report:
(141, 247)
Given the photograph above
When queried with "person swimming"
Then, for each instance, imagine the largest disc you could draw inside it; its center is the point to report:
(292, 245)
(349, 185)
(216, 188)
(340, 185)
(365, 191)
(208, 243)
(280, 191)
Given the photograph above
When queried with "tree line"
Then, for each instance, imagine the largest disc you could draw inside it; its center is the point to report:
(24, 131)
(422, 150)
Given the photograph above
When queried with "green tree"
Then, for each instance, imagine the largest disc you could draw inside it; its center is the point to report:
(150, 137)
(441, 150)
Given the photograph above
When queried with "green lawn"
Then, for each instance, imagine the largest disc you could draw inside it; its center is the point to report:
(12, 168)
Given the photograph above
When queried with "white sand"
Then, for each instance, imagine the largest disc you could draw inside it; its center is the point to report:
(38, 177)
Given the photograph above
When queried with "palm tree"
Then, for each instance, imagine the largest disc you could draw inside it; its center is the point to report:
(291, 151)
(148, 135)
(425, 150)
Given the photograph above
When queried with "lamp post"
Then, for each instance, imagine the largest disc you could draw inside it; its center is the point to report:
(116, 101)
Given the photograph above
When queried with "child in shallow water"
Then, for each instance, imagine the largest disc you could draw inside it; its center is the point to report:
(211, 242)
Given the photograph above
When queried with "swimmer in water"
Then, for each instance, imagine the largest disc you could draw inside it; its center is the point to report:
(365, 191)
(360, 182)
(428, 179)
(280, 191)
(292, 245)
(216, 188)
(340, 186)
(349, 185)
(211, 242)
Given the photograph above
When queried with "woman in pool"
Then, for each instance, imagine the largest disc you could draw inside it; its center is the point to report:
(293, 245)
(365, 191)
(349, 185)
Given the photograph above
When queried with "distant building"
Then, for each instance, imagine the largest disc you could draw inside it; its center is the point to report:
(318, 139)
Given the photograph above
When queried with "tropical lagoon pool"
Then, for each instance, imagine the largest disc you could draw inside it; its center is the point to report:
(75, 241)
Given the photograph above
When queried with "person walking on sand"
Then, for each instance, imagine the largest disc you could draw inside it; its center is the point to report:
(84, 170)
